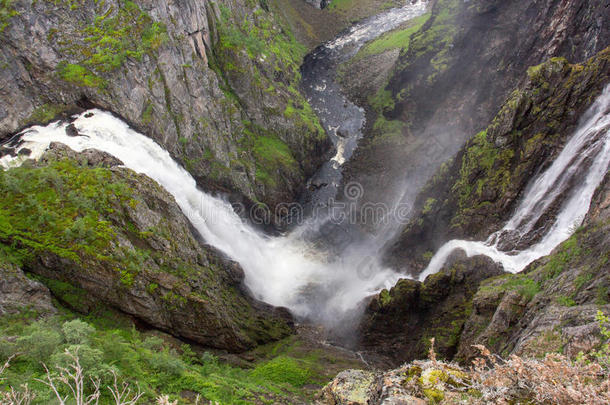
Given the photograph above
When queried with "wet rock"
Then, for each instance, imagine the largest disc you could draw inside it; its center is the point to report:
(24, 152)
(71, 130)
(7, 152)
(398, 323)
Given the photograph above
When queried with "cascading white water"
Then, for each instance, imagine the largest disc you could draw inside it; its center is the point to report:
(588, 149)
(282, 271)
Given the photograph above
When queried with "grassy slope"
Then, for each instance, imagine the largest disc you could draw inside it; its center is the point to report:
(284, 372)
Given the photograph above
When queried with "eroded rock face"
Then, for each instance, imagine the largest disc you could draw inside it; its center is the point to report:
(213, 82)
(456, 73)
(398, 324)
(149, 263)
(19, 293)
(526, 134)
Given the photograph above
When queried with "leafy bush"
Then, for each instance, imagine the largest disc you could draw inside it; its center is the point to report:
(77, 332)
(39, 342)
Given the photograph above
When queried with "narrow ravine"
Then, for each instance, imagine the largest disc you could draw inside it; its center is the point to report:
(290, 270)
(283, 271)
(341, 118)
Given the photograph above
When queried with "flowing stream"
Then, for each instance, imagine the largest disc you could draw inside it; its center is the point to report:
(570, 182)
(282, 271)
(290, 270)
(287, 270)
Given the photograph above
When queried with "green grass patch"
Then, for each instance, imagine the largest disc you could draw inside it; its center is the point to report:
(520, 283)
(397, 39)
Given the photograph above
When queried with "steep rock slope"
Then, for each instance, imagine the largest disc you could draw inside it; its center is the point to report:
(473, 194)
(453, 74)
(215, 83)
(95, 232)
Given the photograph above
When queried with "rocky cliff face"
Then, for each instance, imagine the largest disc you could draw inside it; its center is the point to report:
(550, 306)
(454, 73)
(399, 323)
(105, 234)
(215, 83)
(472, 195)
(19, 293)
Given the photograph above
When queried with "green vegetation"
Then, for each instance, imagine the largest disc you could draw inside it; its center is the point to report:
(59, 209)
(157, 363)
(484, 167)
(6, 13)
(45, 113)
(79, 75)
(271, 155)
(264, 37)
(397, 39)
(521, 283)
(108, 41)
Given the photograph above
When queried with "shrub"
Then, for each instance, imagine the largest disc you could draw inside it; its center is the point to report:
(77, 332)
(38, 342)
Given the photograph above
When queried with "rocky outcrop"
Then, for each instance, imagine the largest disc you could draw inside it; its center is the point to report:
(18, 293)
(418, 383)
(117, 237)
(398, 324)
(472, 195)
(215, 83)
(453, 76)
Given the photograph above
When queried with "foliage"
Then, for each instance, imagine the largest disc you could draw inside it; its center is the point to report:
(554, 379)
(59, 209)
(109, 347)
(397, 39)
(79, 75)
(283, 370)
(271, 154)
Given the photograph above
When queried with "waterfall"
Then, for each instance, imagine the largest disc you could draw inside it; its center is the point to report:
(283, 271)
(588, 152)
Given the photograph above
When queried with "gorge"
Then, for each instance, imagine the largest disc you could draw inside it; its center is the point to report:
(296, 212)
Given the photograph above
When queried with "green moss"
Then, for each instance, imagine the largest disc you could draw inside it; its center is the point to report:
(565, 301)
(108, 41)
(7, 12)
(272, 155)
(485, 166)
(59, 209)
(428, 205)
(45, 113)
(522, 283)
(79, 75)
